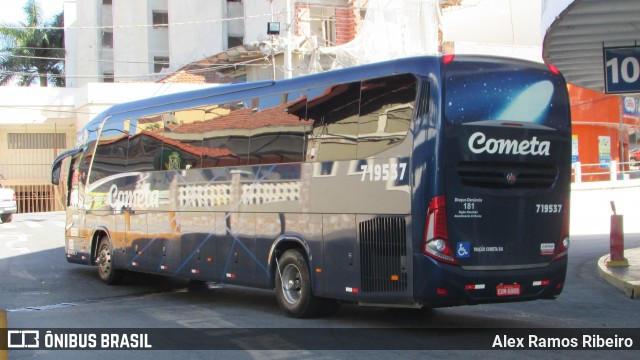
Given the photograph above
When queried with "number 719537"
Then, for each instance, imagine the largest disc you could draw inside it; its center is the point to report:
(383, 172)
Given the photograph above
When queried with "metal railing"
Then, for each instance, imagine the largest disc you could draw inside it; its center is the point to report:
(610, 171)
(36, 198)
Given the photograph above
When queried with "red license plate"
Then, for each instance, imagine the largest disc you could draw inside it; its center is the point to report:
(508, 290)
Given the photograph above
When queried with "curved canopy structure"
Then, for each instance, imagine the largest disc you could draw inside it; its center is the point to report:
(578, 30)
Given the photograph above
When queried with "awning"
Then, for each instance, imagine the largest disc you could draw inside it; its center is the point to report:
(577, 31)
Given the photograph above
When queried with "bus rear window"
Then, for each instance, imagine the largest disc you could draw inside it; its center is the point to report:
(478, 90)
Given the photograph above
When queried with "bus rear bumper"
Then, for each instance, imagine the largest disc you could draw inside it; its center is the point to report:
(448, 285)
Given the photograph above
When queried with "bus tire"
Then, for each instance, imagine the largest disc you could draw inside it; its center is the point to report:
(293, 286)
(108, 274)
(6, 218)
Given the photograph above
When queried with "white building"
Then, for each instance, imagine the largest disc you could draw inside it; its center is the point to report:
(510, 28)
(133, 43)
(144, 40)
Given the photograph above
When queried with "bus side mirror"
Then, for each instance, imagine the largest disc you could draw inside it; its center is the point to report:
(57, 164)
(55, 172)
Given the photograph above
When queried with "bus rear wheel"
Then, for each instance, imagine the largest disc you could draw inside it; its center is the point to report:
(108, 274)
(6, 218)
(293, 286)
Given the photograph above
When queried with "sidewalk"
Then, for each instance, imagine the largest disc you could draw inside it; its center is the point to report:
(626, 278)
(590, 214)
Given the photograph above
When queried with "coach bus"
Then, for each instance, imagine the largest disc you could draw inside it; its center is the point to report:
(420, 182)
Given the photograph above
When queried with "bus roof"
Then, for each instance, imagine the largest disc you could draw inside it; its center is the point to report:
(420, 66)
(215, 94)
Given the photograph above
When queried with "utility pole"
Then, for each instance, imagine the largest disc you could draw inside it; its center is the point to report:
(273, 56)
(288, 66)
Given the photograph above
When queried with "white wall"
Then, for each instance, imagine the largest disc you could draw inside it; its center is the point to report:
(496, 27)
(198, 29)
(257, 15)
(199, 39)
(71, 41)
(131, 38)
(84, 43)
(33, 110)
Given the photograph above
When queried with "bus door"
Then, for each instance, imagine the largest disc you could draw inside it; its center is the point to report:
(113, 204)
(506, 155)
(132, 217)
(76, 245)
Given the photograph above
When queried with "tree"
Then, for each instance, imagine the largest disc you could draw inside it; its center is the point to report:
(32, 52)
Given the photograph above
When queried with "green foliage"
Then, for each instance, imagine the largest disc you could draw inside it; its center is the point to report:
(32, 52)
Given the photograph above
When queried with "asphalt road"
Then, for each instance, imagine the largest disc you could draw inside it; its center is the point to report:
(39, 289)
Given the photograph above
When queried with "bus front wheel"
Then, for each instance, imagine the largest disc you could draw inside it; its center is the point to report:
(104, 260)
(293, 286)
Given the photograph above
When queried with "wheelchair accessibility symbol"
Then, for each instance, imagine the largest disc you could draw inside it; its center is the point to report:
(463, 250)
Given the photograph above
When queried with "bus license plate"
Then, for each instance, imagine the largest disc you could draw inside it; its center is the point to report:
(509, 290)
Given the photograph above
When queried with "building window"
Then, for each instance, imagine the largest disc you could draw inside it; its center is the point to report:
(107, 77)
(106, 2)
(233, 41)
(107, 39)
(160, 62)
(36, 141)
(321, 23)
(160, 19)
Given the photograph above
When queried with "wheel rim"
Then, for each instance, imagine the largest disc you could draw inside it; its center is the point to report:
(291, 284)
(104, 261)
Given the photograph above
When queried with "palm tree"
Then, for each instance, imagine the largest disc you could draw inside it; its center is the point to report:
(32, 52)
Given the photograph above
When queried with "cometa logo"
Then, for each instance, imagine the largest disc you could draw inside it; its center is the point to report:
(478, 144)
(132, 198)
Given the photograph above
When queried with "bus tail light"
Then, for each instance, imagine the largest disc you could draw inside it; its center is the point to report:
(540, 283)
(14, 197)
(448, 58)
(562, 247)
(436, 243)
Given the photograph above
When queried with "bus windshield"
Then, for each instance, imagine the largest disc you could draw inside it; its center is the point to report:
(477, 91)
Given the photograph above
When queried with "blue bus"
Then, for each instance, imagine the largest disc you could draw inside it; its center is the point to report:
(420, 182)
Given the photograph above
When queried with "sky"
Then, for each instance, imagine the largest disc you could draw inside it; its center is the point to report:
(11, 10)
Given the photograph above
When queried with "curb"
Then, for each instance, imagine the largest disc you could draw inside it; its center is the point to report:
(615, 277)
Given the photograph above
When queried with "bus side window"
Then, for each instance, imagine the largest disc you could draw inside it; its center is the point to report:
(207, 132)
(111, 153)
(225, 134)
(181, 143)
(144, 143)
(334, 113)
(277, 130)
(385, 113)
